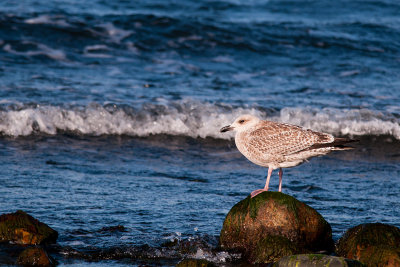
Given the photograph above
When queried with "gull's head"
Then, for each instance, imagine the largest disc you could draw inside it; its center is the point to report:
(242, 123)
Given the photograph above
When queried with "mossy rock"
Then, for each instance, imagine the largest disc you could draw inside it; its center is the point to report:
(21, 228)
(316, 260)
(195, 263)
(272, 248)
(35, 256)
(272, 225)
(374, 244)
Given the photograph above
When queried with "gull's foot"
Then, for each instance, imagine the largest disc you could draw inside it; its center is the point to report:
(258, 191)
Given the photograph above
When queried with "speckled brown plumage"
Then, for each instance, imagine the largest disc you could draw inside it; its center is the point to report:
(278, 145)
(272, 143)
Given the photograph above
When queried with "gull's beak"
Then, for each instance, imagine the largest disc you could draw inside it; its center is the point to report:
(226, 128)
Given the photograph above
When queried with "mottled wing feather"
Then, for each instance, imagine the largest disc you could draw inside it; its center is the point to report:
(277, 140)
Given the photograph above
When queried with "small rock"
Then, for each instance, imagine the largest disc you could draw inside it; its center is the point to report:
(21, 228)
(195, 263)
(316, 260)
(34, 256)
(374, 244)
(272, 225)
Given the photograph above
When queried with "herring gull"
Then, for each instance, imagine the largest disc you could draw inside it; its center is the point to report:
(279, 145)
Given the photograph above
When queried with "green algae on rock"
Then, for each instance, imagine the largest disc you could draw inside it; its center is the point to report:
(374, 244)
(316, 260)
(35, 256)
(21, 228)
(272, 225)
(274, 247)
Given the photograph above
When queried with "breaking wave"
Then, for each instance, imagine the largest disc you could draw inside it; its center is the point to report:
(185, 118)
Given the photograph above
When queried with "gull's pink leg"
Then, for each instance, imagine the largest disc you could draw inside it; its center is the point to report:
(280, 179)
(258, 191)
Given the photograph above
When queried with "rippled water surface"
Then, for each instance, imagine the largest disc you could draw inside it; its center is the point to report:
(110, 114)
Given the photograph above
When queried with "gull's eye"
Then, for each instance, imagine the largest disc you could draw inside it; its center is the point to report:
(241, 121)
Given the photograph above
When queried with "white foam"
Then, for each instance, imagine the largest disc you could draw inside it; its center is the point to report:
(349, 73)
(47, 19)
(219, 257)
(342, 122)
(190, 38)
(116, 34)
(187, 118)
(223, 59)
(41, 50)
(96, 51)
(76, 243)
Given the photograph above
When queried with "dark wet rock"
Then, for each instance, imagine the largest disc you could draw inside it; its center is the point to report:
(35, 256)
(316, 260)
(21, 228)
(272, 225)
(9, 253)
(374, 244)
(195, 263)
(190, 246)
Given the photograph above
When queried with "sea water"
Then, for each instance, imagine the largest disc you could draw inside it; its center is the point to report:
(110, 114)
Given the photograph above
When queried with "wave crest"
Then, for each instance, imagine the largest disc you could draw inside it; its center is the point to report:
(186, 118)
(343, 122)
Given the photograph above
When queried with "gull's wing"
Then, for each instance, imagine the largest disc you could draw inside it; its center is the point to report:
(274, 139)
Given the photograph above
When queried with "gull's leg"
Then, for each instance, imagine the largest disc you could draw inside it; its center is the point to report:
(258, 191)
(280, 179)
(268, 177)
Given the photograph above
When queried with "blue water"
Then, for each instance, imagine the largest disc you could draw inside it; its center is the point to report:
(110, 114)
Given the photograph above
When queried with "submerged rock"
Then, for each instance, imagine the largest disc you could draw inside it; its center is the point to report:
(21, 228)
(195, 263)
(35, 256)
(374, 244)
(316, 260)
(272, 225)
